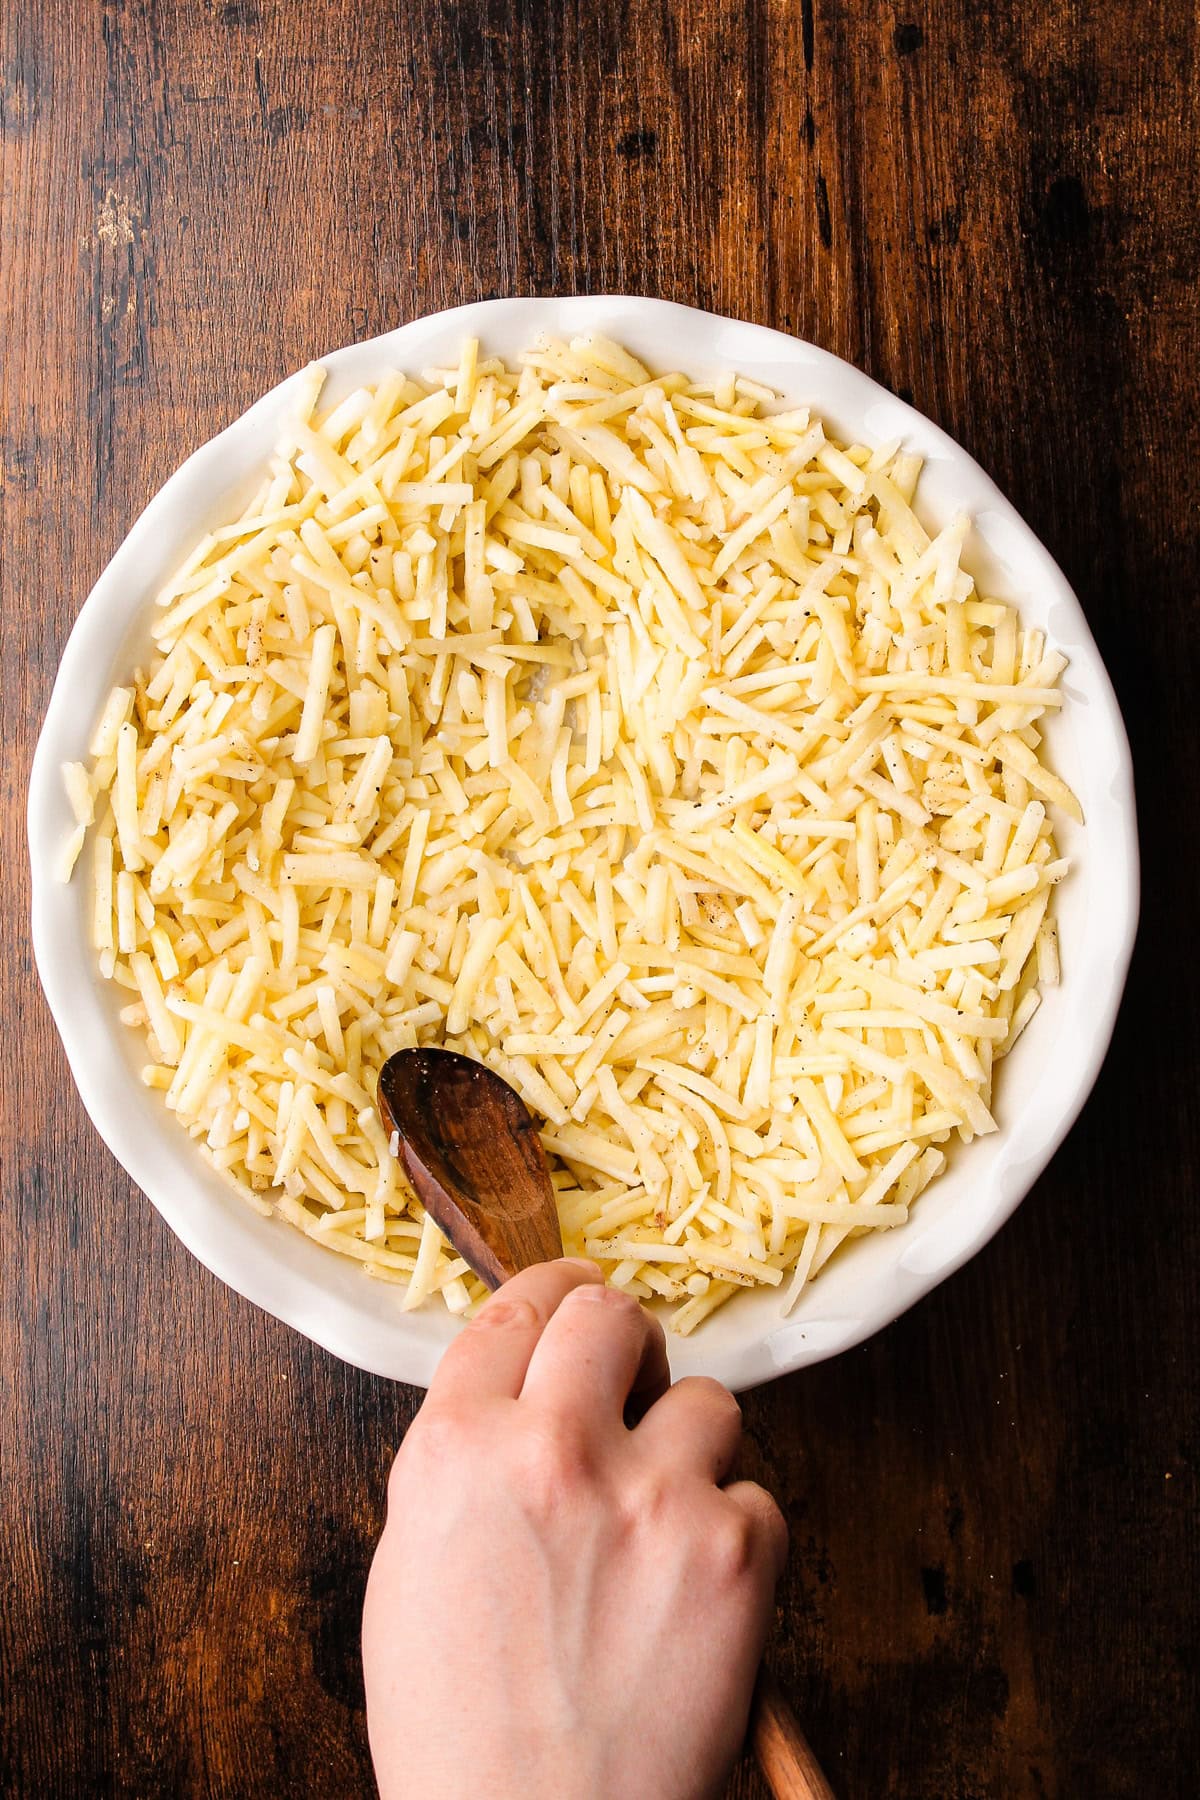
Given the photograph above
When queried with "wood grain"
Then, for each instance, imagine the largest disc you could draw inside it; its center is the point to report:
(783, 1755)
(470, 1148)
(994, 1582)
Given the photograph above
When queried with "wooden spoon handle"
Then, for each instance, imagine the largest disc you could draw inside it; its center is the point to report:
(788, 1765)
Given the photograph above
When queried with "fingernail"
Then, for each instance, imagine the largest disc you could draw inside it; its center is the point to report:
(583, 1262)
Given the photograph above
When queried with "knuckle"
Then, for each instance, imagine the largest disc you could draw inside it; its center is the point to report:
(654, 1501)
(732, 1546)
(616, 1303)
(507, 1311)
(768, 1528)
(436, 1436)
(445, 1437)
(552, 1467)
(714, 1397)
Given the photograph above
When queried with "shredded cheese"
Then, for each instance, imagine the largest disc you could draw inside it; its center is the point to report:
(625, 733)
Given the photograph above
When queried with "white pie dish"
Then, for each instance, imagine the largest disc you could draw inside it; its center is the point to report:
(1041, 1087)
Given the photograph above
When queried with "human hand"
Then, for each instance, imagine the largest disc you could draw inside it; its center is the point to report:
(563, 1605)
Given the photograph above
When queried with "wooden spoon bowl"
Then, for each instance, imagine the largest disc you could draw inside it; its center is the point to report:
(471, 1150)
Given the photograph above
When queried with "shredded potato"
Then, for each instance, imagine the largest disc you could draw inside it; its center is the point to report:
(625, 733)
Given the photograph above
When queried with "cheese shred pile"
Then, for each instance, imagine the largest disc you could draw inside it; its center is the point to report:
(624, 732)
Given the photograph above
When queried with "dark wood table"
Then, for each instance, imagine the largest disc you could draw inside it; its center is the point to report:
(992, 209)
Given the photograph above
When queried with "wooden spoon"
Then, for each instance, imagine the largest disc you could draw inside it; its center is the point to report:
(471, 1151)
